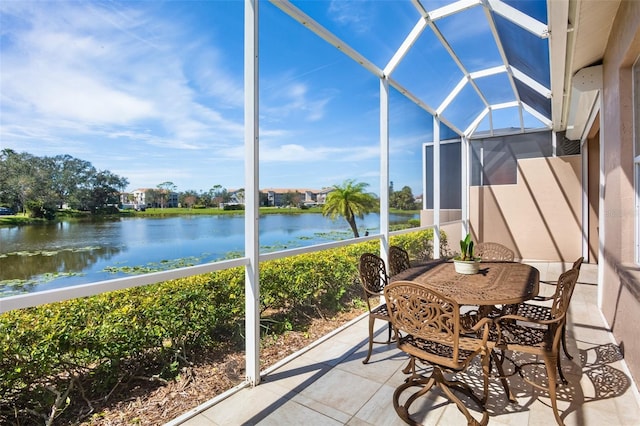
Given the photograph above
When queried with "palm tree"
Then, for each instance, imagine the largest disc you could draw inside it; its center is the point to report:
(350, 200)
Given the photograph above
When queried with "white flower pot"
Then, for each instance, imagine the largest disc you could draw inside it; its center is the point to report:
(467, 267)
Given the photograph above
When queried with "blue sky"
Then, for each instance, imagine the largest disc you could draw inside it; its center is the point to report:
(153, 91)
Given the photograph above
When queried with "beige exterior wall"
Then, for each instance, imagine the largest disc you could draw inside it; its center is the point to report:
(426, 216)
(620, 285)
(593, 148)
(450, 225)
(539, 218)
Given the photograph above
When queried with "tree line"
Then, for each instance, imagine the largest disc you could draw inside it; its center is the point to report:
(403, 199)
(42, 185)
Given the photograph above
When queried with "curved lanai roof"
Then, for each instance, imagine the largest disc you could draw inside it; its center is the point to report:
(480, 66)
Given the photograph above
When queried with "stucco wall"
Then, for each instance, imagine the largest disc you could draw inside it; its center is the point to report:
(620, 287)
(452, 230)
(446, 215)
(539, 218)
(593, 148)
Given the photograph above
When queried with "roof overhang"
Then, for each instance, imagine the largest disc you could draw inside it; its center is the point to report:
(589, 26)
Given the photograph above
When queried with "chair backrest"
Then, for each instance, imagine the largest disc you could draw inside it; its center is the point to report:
(564, 290)
(494, 251)
(420, 312)
(578, 263)
(373, 273)
(398, 260)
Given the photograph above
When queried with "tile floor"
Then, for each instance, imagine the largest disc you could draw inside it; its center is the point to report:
(328, 385)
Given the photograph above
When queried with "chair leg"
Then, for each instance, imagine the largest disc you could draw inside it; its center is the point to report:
(486, 369)
(560, 373)
(390, 330)
(564, 348)
(411, 366)
(447, 388)
(371, 321)
(426, 383)
(564, 341)
(503, 378)
(550, 363)
(414, 380)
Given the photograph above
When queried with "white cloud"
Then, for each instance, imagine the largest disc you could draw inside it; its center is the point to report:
(316, 154)
(212, 74)
(295, 99)
(154, 98)
(66, 94)
(112, 73)
(353, 14)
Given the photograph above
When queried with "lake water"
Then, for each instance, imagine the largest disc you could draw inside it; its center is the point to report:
(63, 254)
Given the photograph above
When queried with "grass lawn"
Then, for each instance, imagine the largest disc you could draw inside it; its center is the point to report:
(21, 219)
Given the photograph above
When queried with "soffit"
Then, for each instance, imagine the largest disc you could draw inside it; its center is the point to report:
(593, 21)
(591, 24)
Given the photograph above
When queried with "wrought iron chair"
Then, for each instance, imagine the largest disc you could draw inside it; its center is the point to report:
(398, 260)
(428, 329)
(542, 312)
(374, 278)
(495, 252)
(542, 337)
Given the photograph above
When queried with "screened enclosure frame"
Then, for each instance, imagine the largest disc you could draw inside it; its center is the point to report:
(533, 99)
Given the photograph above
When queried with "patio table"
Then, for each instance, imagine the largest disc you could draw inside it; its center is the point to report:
(497, 283)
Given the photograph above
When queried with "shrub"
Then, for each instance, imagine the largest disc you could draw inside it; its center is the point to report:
(82, 349)
(419, 244)
(233, 207)
(39, 209)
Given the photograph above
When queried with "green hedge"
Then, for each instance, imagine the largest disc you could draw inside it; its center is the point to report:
(60, 353)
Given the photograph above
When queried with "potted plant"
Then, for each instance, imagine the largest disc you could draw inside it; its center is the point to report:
(466, 263)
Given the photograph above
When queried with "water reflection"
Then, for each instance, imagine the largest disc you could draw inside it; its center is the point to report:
(40, 257)
(26, 265)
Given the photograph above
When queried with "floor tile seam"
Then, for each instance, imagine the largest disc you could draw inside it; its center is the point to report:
(201, 409)
(320, 403)
(361, 422)
(323, 404)
(371, 397)
(315, 344)
(276, 401)
(275, 406)
(334, 362)
(371, 363)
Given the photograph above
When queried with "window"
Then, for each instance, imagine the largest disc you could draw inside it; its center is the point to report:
(494, 161)
(450, 175)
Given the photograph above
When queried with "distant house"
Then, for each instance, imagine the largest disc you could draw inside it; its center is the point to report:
(321, 196)
(141, 200)
(172, 199)
(236, 198)
(277, 197)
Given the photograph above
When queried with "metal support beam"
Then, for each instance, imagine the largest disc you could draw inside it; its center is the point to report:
(436, 188)
(465, 171)
(384, 168)
(602, 228)
(251, 184)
